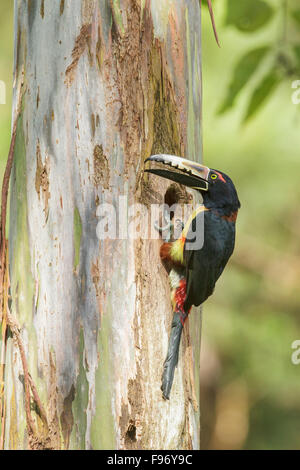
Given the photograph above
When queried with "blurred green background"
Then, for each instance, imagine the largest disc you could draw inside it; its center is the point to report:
(249, 386)
(6, 73)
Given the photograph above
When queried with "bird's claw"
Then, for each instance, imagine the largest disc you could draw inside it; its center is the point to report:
(169, 227)
(179, 225)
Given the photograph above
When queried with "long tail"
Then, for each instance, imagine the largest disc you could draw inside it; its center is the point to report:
(172, 356)
(178, 296)
(178, 287)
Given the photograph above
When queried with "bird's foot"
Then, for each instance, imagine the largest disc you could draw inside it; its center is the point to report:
(169, 230)
(165, 230)
(179, 224)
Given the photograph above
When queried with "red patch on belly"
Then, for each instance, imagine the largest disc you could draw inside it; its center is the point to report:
(180, 296)
(165, 251)
(230, 218)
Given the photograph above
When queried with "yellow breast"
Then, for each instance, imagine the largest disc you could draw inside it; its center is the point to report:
(178, 246)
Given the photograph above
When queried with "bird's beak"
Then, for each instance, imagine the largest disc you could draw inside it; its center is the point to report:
(187, 172)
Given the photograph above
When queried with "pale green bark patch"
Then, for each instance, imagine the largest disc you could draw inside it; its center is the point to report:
(104, 377)
(117, 14)
(80, 403)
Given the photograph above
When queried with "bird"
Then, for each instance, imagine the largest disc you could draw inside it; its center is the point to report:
(195, 265)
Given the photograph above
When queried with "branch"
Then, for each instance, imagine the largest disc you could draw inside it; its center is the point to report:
(211, 12)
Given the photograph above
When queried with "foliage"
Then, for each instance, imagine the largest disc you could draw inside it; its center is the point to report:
(243, 70)
(282, 57)
(249, 385)
(248, 15)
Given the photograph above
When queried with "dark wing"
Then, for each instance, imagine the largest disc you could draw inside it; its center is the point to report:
(205, 265)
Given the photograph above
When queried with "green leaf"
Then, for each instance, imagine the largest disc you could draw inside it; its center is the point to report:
(261, 93)
(296, 15)
(296, 49)
(248, 15)
(242, 73)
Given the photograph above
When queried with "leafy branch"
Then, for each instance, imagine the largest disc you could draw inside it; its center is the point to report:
(282, 58)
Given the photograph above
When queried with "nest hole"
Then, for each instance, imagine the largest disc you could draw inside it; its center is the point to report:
(176, 194)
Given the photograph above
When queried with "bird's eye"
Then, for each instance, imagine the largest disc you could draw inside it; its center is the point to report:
(214, 176)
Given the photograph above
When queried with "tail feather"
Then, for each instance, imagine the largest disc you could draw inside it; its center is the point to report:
(178, 287)
(172, 355)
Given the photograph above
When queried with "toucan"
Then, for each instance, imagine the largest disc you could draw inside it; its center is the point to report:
(195, 267)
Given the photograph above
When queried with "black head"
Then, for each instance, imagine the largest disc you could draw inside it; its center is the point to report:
(217, 189)
(221, 193)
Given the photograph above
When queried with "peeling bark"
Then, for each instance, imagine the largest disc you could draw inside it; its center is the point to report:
(108, 83)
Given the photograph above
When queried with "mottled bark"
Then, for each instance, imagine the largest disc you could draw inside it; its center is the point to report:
(107, 84)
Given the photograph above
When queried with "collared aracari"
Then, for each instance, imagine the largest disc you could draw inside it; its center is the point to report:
(195, 271)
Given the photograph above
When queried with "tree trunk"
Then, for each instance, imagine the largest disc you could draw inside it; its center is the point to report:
(107, 84)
